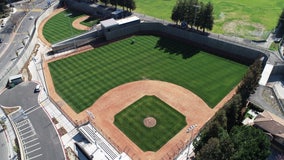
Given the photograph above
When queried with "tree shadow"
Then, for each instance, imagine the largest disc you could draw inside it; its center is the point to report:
(176, 47)
(279, 31)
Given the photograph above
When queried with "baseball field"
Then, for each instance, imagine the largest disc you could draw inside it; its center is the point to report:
(81, 79)
(148, 88)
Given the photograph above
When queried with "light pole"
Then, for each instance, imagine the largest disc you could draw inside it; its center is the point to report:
(90, 115)
(195, 13)
(190, 130)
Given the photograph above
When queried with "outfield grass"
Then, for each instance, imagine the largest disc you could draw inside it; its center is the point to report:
(59, 27)
(169, 123)
(246, 15)
(83, 78)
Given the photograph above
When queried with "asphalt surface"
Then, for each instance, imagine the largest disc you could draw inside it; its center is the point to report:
(16, 30)
(3, 146)
(38, 135)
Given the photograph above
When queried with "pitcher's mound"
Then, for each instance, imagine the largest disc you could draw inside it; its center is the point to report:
(150, 122)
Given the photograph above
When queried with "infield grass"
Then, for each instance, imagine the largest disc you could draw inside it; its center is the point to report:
(59, 27)
(168, 123)
(245, 18)
(83, 78)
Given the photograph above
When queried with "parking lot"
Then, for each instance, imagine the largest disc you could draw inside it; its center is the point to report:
(36, 131)
(29, 140)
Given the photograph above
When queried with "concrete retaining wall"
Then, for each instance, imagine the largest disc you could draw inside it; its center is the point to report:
(77, 41)
(235, 51)
(240, 53)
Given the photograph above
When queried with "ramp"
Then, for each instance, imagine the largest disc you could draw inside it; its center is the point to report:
(265, 74)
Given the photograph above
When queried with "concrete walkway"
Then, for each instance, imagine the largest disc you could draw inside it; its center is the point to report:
(53, 112)
(9, 137)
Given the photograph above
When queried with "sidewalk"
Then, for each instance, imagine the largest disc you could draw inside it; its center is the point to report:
(52, 111)
(10, 136)
(186, 153)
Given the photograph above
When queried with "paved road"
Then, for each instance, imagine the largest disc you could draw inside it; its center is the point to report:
(17, 30)
(39, 137)
(3, 146)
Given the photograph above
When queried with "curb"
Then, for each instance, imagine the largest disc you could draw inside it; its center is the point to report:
(59, 137)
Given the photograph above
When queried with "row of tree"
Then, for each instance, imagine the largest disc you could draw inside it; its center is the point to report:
(193, 13)
(4, 9)
(224, 137)
(128, 4)
(280, 24)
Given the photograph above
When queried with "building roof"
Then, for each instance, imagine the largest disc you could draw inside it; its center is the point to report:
(265, 74)
(127, 20)
(15, 77)
(270, 123)
(109, 23)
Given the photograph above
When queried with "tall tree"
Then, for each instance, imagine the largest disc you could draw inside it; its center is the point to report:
(220, 148)
(122, 3)
(181, 10)
(4, 9)
(193, 9)
(206, 17)
(199, 19)
(105, 2)
(281, 18)
(250, 143)
(211, 150)
(130, 4)
(114, 3)
(233, 111)
(174, 15)
(243, 142)
(212, 129)
(250, 80)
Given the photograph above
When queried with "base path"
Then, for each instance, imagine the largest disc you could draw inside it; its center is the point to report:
(184, 101)
(77, 23)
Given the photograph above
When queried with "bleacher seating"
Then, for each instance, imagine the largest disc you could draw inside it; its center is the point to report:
(94, 137)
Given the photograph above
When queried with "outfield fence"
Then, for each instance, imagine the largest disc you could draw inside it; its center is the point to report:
(231, 38)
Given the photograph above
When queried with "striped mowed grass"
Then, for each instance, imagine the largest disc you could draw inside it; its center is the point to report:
(81, 79)
(59, 27)
(168, 123)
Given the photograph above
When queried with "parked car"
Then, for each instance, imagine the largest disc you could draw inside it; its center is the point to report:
(37, 88)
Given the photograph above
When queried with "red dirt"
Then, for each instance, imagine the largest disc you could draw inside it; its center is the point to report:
(40, 28)
(77, 23)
